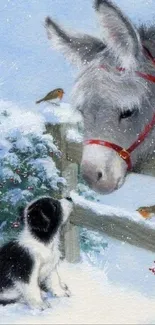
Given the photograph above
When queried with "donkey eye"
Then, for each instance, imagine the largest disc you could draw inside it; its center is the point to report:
(127, 113)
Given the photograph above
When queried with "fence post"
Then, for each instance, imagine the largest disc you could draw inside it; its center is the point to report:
(69, 170)
(71, 233)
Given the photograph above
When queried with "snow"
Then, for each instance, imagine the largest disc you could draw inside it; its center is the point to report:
(73, 135)
(138, 190)
(47, 171)
(20, 122)
(24, 120)
(126, 265)
(22, 125)
(115, 285)
(110, 210)
(4, 147)
(16, 195)
(11, 158)
(29, 68)
(58, 114)
(24, 145)
(22, 132)
(94, 301)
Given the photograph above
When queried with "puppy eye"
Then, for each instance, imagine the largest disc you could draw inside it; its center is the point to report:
(127, 113)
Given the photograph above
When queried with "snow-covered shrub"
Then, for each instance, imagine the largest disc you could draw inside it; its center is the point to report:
(27, 154)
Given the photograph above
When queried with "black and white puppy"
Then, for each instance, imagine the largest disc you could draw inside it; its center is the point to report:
(32, 260)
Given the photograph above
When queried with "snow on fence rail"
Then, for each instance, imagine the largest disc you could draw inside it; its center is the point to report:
(134, 230)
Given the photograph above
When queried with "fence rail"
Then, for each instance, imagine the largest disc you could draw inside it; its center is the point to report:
(121, 228)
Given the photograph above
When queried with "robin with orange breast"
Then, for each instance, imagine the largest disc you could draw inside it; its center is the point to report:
(147, 212)
(53, 96)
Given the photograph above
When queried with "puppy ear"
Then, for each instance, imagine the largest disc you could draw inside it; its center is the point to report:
(37, 220)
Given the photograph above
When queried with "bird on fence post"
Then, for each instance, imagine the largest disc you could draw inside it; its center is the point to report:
(53, 96)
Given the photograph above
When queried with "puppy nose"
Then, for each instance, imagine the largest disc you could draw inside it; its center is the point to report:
(69, 198)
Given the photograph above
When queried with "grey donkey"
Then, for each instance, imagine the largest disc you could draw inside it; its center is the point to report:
(116, 103)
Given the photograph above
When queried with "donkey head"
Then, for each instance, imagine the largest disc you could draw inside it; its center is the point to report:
(109, 93)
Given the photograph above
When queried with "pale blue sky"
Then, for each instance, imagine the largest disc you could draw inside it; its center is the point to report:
(29, 67)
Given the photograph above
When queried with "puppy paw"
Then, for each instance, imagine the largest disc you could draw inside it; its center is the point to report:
(60, 292)
(66, 289)
(48, 304)
(40, 305)
(67, 293)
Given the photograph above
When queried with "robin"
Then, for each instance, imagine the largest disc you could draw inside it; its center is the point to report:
(53, 96)
(147, 212)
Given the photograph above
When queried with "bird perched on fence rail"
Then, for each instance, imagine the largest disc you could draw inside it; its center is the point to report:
(147, 212)
(53, 96)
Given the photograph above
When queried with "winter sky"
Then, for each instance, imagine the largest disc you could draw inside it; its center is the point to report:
(29, 67)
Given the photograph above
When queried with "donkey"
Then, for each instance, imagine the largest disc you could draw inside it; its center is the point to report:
(115, 93)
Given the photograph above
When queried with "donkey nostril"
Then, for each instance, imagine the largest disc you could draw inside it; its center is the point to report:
(99, 175)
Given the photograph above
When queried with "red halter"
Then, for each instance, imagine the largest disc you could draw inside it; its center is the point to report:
(125, 153)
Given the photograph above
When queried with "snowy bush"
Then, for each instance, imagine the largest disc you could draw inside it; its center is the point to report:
(27, 167)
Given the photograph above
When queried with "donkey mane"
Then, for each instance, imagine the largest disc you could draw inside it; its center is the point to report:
(147, 33)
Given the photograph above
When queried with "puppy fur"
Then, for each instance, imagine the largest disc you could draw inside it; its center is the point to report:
(32, 260)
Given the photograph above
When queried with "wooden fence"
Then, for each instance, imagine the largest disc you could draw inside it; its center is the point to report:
(121, 228)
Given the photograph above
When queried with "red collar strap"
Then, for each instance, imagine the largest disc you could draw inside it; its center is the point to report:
(143, 75)
(125, 153)
(146, 76)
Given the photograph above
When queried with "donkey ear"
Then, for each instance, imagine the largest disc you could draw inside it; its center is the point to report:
(80, 49)
(119, 34)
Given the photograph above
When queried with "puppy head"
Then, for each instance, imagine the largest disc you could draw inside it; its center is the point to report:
(45, 215)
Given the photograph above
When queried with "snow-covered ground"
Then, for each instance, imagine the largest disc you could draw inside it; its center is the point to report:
(113, 286)
(94, 301)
